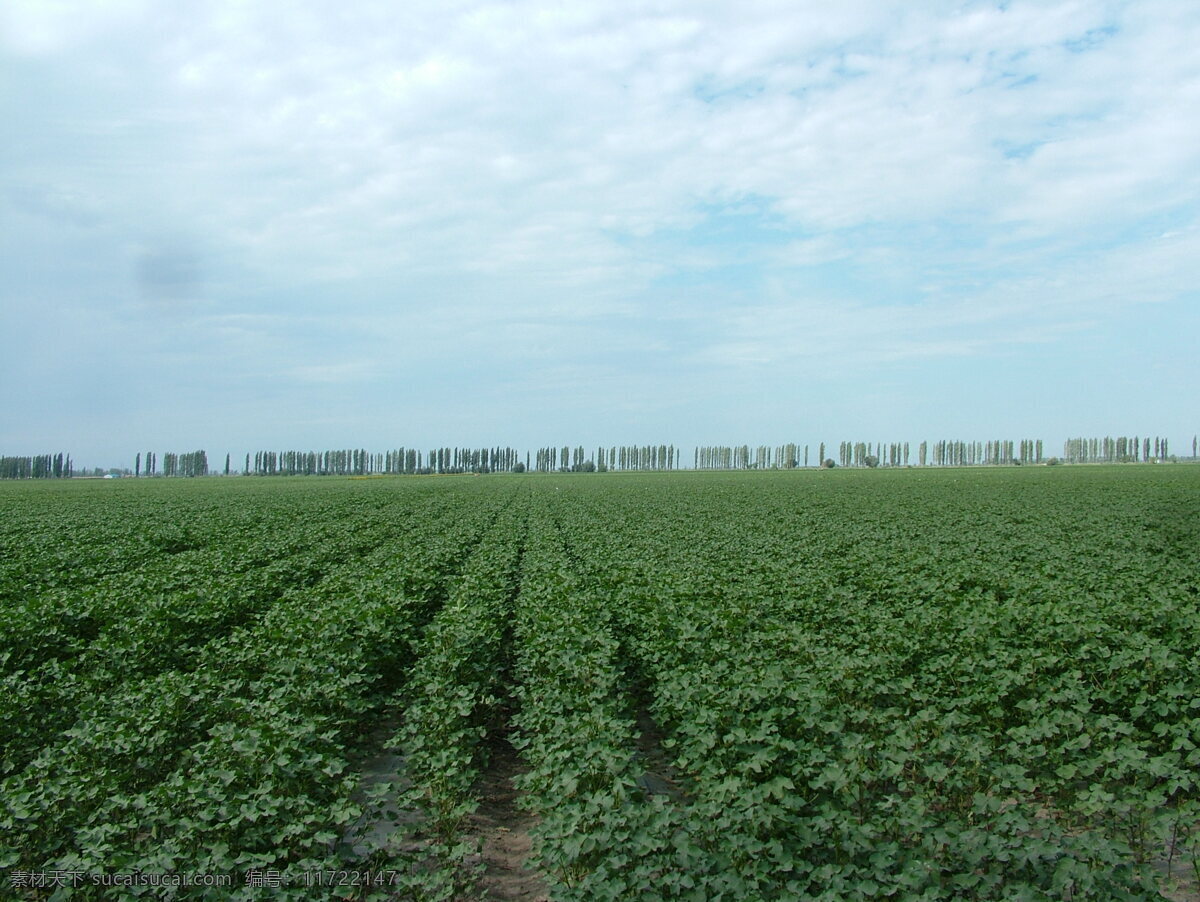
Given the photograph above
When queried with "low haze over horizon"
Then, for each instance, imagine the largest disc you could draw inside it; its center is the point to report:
(242, 226)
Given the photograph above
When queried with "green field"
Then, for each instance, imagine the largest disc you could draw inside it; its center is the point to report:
(908, 684)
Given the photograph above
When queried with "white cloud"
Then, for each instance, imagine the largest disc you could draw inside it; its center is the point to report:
(460, 136)
(43, 27)
(812, 251)
(565, 179)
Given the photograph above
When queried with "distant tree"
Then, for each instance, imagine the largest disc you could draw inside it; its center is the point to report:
(41, 466)
(828, 464)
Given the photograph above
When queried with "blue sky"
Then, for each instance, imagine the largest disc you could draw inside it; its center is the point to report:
(240, 226)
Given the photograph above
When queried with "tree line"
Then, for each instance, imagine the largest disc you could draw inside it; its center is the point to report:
(792, 455)
(399, 461)
(1119, 450)
(941, 453)
(576, 459)
(449, 460)
(38, 466)
(615, 458)
(191, 463)
(743, 457)
(995, 452)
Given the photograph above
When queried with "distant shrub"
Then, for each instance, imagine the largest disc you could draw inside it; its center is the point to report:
(828, 464)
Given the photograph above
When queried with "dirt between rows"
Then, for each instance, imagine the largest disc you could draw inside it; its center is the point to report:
(503, 828)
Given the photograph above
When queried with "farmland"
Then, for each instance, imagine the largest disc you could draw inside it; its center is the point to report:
(942, 684)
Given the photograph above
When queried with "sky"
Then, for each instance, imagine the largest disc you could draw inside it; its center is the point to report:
(240, 226)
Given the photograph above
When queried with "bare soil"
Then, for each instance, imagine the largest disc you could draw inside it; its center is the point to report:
(503, 831)
(660, 777)
(1179, 884)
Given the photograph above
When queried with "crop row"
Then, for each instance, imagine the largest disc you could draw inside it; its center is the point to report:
(912, 685)
(896, 707)
(574, 725)
(238, 757)
(71, 645)
(454, 700)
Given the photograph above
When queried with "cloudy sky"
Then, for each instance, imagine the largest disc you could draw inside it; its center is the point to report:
(239, 225)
